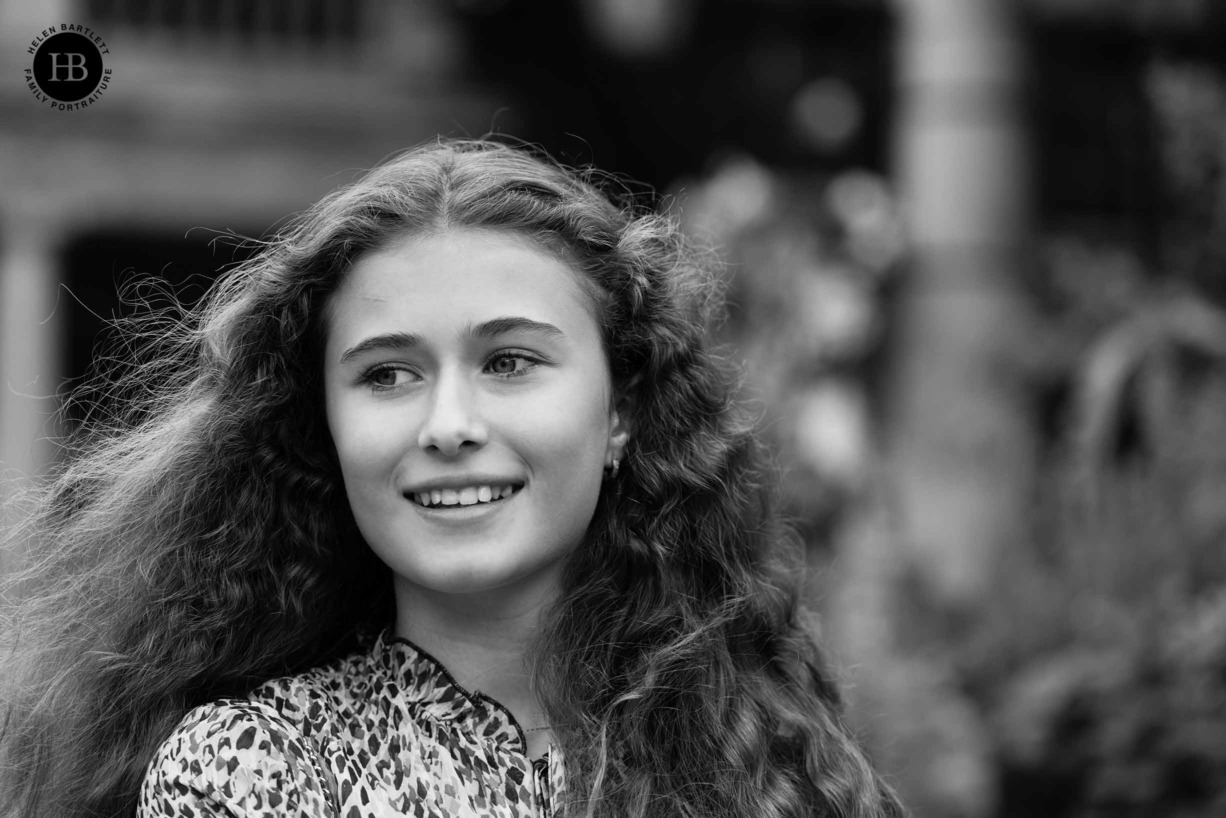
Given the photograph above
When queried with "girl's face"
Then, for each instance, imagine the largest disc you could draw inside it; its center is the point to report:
(470, 403)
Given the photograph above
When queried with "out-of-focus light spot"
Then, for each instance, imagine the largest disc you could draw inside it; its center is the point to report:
(826, 113)
(738, 195)
(860, 199)
(639, 28)
(865, 207)
(832, 431)
(834, 313)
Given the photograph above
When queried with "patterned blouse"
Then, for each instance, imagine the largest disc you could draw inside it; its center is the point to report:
(387, 732)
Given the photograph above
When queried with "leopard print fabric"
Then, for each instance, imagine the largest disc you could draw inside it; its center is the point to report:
(386, 732)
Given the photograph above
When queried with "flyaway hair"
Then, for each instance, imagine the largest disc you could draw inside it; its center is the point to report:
(194, 539)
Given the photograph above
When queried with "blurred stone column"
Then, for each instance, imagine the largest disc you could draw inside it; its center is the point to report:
(957, 446)
(30, 345)
(960, 439)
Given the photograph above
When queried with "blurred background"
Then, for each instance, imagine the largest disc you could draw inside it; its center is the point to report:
(975, 251)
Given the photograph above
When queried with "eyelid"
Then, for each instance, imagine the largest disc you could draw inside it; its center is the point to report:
(512, 352)
(368, 375)
(533, 359)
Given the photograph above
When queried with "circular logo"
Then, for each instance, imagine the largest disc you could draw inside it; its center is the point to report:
(68, 67)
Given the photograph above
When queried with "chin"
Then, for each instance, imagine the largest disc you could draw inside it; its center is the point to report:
(461, 585)
(471, 579)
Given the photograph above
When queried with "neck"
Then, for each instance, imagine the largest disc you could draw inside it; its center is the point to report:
(482, 642)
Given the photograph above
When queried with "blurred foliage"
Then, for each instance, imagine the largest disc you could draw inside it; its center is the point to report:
(1189, 102)
(1102, 660)
(1099, 667)
(807, 257)
(1134, 728)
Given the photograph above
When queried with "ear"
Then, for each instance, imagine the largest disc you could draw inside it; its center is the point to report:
(619, 429)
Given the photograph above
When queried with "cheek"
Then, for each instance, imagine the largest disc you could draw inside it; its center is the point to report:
(364, 445)
(570, 431)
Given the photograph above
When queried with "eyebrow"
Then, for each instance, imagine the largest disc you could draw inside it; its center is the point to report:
(485, 330)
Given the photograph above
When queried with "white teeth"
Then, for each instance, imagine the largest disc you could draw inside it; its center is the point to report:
(467, 496)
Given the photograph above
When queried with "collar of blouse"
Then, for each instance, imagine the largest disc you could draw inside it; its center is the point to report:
(428, 688)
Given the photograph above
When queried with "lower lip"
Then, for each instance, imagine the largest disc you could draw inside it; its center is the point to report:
(476, 511)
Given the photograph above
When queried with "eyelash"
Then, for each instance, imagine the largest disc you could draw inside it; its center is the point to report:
(369, 376)
(533, 363)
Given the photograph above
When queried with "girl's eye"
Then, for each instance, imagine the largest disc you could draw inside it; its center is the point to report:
(387, 377)
(510, 365)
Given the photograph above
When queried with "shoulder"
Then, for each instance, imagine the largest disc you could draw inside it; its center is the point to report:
(234, 757)
(317, 700)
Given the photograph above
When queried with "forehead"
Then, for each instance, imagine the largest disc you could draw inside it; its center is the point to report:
(437, 279)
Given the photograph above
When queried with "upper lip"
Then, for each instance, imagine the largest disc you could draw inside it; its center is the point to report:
(462, 481)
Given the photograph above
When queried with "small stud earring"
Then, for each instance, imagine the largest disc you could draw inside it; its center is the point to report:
(610, 471)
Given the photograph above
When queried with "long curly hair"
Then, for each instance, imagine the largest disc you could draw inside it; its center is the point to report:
(195, 539)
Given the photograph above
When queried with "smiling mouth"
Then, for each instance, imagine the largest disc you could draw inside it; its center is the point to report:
(467, 496)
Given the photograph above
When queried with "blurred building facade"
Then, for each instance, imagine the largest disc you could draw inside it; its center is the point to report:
(227, 116)
(218, 116)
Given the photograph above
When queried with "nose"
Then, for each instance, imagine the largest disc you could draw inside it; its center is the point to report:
(453, 422)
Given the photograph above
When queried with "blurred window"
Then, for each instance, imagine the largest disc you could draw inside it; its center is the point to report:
(279, 22)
